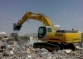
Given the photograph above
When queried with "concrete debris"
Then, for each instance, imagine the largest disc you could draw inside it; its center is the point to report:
(44, 54)
(68, 50)
(28, 52)
(31, 53)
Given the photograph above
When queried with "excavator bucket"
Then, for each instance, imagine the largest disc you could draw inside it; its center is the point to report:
(16, 27)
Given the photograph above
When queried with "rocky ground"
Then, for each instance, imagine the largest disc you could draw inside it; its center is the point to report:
(30, 53)
(17, 51)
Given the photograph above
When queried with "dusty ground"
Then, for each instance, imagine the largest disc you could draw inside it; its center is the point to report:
(22, 53)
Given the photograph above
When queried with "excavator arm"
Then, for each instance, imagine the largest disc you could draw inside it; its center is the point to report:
(35, 16)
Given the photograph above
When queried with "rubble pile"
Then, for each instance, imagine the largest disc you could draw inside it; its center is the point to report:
(17, 53)
(62, 54)
(29, 53)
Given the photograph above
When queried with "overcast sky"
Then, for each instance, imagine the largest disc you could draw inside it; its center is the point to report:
(66, 13)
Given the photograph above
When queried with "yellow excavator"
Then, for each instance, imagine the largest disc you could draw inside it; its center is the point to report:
(52, 38)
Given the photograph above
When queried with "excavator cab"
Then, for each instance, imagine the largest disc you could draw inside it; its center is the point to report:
(43, 31)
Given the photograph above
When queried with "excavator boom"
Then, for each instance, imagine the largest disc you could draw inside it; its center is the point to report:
(35, 16)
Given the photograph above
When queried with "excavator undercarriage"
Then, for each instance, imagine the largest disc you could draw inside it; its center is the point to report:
(52, 46)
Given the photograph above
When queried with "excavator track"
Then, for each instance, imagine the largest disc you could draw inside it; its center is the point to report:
(46, 45)
(53, 46)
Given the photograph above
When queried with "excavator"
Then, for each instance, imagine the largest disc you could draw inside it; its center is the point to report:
(52, 39)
